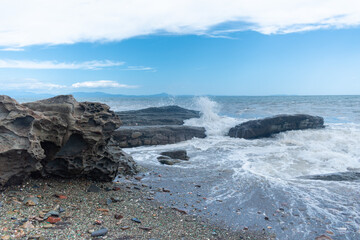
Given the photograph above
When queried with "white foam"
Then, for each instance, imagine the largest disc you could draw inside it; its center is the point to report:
(210, 119)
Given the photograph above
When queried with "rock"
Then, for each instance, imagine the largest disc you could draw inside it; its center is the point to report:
(93, 188)
(1, 204)
(167, 160)
(118, 216)
(52, 213)
(177, 154)
(323, 237)
(340, 176)
(280, 123)
(156, 135)
(108, 201)
(100, 232)
(31, 201)
(136, 220)
(53, 220)
(168, 115)
(146, 228)
(57, 136)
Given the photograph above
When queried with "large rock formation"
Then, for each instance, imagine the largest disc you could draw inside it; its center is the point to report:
(58, 136)
(135, 136)
(167, 115)
(280, 123)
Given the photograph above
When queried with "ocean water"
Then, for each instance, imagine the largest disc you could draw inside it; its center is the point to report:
(256, 183)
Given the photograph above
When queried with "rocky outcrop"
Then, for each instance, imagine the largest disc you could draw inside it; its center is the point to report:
(58, 136)
(173, 157)
(135, 136)
(280, 123)
(167, 115)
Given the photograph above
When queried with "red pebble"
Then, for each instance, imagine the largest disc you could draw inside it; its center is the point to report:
(53, 220)
(62, 197)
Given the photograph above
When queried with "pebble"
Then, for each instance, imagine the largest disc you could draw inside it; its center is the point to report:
(118, 216)
(146, 228)
(1, 204)
(53, 220)
(108, 201)
(124, 228)
(136, 220)
(31, 201)
(323, 237)
(100, 232)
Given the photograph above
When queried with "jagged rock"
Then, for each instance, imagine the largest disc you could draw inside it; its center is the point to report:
(167, 160)
(57, 136)
(168, 115)
(155, 135)
(280, 123)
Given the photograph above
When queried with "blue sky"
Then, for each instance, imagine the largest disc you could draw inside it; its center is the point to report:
(308, 56)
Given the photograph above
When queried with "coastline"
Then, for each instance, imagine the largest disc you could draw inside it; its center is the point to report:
(83, 211)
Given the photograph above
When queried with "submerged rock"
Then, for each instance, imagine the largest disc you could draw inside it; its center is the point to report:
(135, 136)
(57, 136)
(339, 176)
(280, 123)
(167, 115)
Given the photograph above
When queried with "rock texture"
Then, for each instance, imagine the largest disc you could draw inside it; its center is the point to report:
(58, 136)
(168, 115)
(268, 126)
(155, 135)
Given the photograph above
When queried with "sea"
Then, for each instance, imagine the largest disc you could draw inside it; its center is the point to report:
(258, 184)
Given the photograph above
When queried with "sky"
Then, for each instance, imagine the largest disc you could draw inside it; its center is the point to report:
(188, 47)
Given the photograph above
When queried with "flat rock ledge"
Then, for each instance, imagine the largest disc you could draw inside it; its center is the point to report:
(59, 136)
(268, 126)
(167, 115)
(134, 136)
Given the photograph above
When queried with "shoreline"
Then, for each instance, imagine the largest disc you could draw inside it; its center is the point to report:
(85, 212)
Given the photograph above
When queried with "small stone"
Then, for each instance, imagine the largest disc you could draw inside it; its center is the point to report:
(61, 210)
(32, 201)
(93, 188)
(62, 197)
(108, 201)
(266, 218)
(1, 204)
(100, 232)
(103, 209)
(323, 237)
(98, 222)
(182, 211)
(138, 178)
(53, 220)
(136, 220)
(124, 228)
(165, 190)
(115, 199)
(48, 226)
(146, 228)
(118, 216)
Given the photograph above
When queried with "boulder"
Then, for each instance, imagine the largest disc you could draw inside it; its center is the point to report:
(280, 123)
(58, 136)
(135, 136)
(168, 115)
(176, 154)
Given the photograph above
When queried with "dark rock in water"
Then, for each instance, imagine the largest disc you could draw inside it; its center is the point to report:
(155, 135)
(340, 176)
(280, 123)
(100, 232)
(177, 154)
(167, 160)
(57, 136)
(168, 115)
(93, 188)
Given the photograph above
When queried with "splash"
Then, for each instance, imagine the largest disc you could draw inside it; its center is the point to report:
(210, 119)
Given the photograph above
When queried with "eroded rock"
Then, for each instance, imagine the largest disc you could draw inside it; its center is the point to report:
(280, 123)
(58, 136)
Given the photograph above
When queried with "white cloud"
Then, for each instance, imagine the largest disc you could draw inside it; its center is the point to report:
(139, 68)
(89, 65)
(28, 22)
(12, 49)
(29, 84)
(101, 84)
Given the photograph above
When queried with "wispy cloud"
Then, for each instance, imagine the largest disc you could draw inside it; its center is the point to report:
(11, 49)
(29, 84)
(101, 84)
(68, 21)
(89, 65)
(139, 68)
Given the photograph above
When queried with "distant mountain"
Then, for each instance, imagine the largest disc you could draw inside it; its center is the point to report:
(29, 95)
